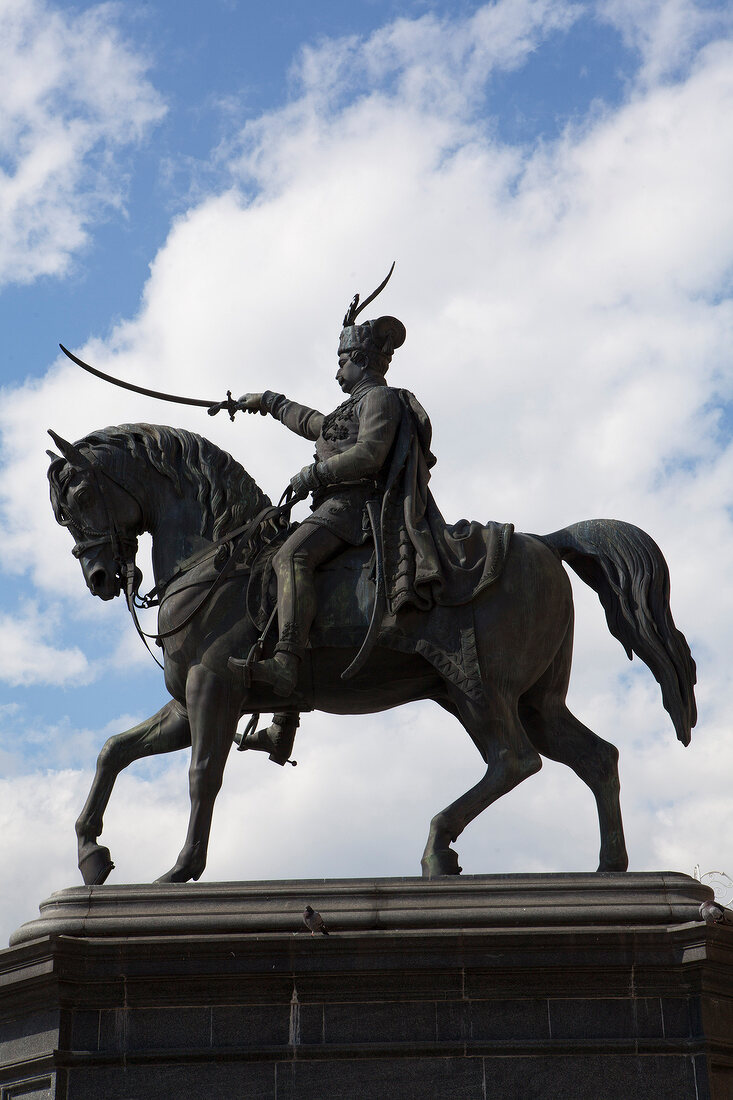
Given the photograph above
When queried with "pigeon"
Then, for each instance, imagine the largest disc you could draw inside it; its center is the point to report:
(314, 921)
(712, 914)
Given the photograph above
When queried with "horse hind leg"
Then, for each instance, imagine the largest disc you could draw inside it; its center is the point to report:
(166, 731)
(559, 735)
(510, 758)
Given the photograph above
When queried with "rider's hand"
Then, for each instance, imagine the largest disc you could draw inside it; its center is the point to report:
(252, 403)
(303, 482)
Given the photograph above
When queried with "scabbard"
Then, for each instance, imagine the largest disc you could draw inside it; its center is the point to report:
(374, 509)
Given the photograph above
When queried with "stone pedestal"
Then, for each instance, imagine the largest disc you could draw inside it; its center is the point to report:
(595, 987)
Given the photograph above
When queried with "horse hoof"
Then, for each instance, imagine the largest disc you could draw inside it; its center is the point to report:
(95, 866)
(178, 874)
(442, 862)
(171, 876)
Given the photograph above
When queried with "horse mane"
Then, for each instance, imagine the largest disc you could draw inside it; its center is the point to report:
(226, 493)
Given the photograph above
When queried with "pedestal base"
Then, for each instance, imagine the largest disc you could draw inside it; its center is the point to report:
(598, 987)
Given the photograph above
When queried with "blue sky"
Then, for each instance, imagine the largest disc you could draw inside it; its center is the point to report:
(215, 77)
(189, 197)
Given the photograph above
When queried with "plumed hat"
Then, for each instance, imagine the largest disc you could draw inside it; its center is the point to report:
(379, 338)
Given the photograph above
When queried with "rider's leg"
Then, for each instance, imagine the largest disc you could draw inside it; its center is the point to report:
(295, 563)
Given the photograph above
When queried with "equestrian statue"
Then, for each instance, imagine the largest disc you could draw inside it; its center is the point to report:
(372, 601)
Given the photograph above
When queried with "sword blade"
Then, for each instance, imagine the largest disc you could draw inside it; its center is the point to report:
(136, 389)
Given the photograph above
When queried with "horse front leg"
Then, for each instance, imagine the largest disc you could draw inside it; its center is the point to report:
(213, 712)
(166, 731)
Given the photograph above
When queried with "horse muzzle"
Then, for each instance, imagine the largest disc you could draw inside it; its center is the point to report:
(101, 584)
(101, 579)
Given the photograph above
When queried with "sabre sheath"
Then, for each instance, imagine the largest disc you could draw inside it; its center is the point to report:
(373, 508)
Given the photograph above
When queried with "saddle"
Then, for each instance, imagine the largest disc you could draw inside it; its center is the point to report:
(345, 589)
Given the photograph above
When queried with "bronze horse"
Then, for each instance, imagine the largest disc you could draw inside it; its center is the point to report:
(190, 496)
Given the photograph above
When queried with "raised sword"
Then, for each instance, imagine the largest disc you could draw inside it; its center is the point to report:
(214, 407)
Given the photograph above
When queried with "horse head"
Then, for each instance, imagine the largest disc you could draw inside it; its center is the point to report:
(103, 515)
(120, 481)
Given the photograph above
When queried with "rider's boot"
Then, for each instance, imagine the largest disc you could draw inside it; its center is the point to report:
(276, 739)
(280, 672)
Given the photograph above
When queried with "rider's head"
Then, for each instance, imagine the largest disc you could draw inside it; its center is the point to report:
(371, 344)
(368, 347)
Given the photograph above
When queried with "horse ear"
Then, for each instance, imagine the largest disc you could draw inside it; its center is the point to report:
(71, 453)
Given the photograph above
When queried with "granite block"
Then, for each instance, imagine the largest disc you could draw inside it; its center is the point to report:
(594, 1077)
(29, 1035)
(503, 1019)
(307, 1024)
(141, 1029)
(583, 1018)
(250, 1025)
(85, 1029)
(390, 1022)
(452, 1021)
(677, 1014)
(648, 1021)
(36, 1088)
(207, 1081)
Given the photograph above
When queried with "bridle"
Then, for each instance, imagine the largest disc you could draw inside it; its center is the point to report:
(124, 546)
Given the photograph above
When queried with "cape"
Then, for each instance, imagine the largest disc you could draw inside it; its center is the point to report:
(428, 562)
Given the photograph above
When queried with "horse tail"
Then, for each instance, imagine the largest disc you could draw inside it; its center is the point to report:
(627, 570)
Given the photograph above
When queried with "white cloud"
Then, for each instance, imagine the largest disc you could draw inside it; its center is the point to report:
(379, 94)
(569, 329)
(432, 64)
(74, 94)
(666, 33)
(37, 814)
(28, 656)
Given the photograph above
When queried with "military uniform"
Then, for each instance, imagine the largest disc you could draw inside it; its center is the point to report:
(353, 445)
(353, 448)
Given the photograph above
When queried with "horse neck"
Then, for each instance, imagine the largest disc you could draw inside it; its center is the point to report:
(181, 525)
(175, 523)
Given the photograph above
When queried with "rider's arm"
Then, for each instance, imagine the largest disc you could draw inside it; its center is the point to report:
(299, 418)
(379, 418)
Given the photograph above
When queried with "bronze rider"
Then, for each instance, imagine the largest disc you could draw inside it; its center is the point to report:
(352, 448)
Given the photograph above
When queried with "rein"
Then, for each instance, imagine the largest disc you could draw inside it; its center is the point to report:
(125, 547)
(241, 538)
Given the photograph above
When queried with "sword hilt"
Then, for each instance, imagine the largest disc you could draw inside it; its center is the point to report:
(230, 405)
